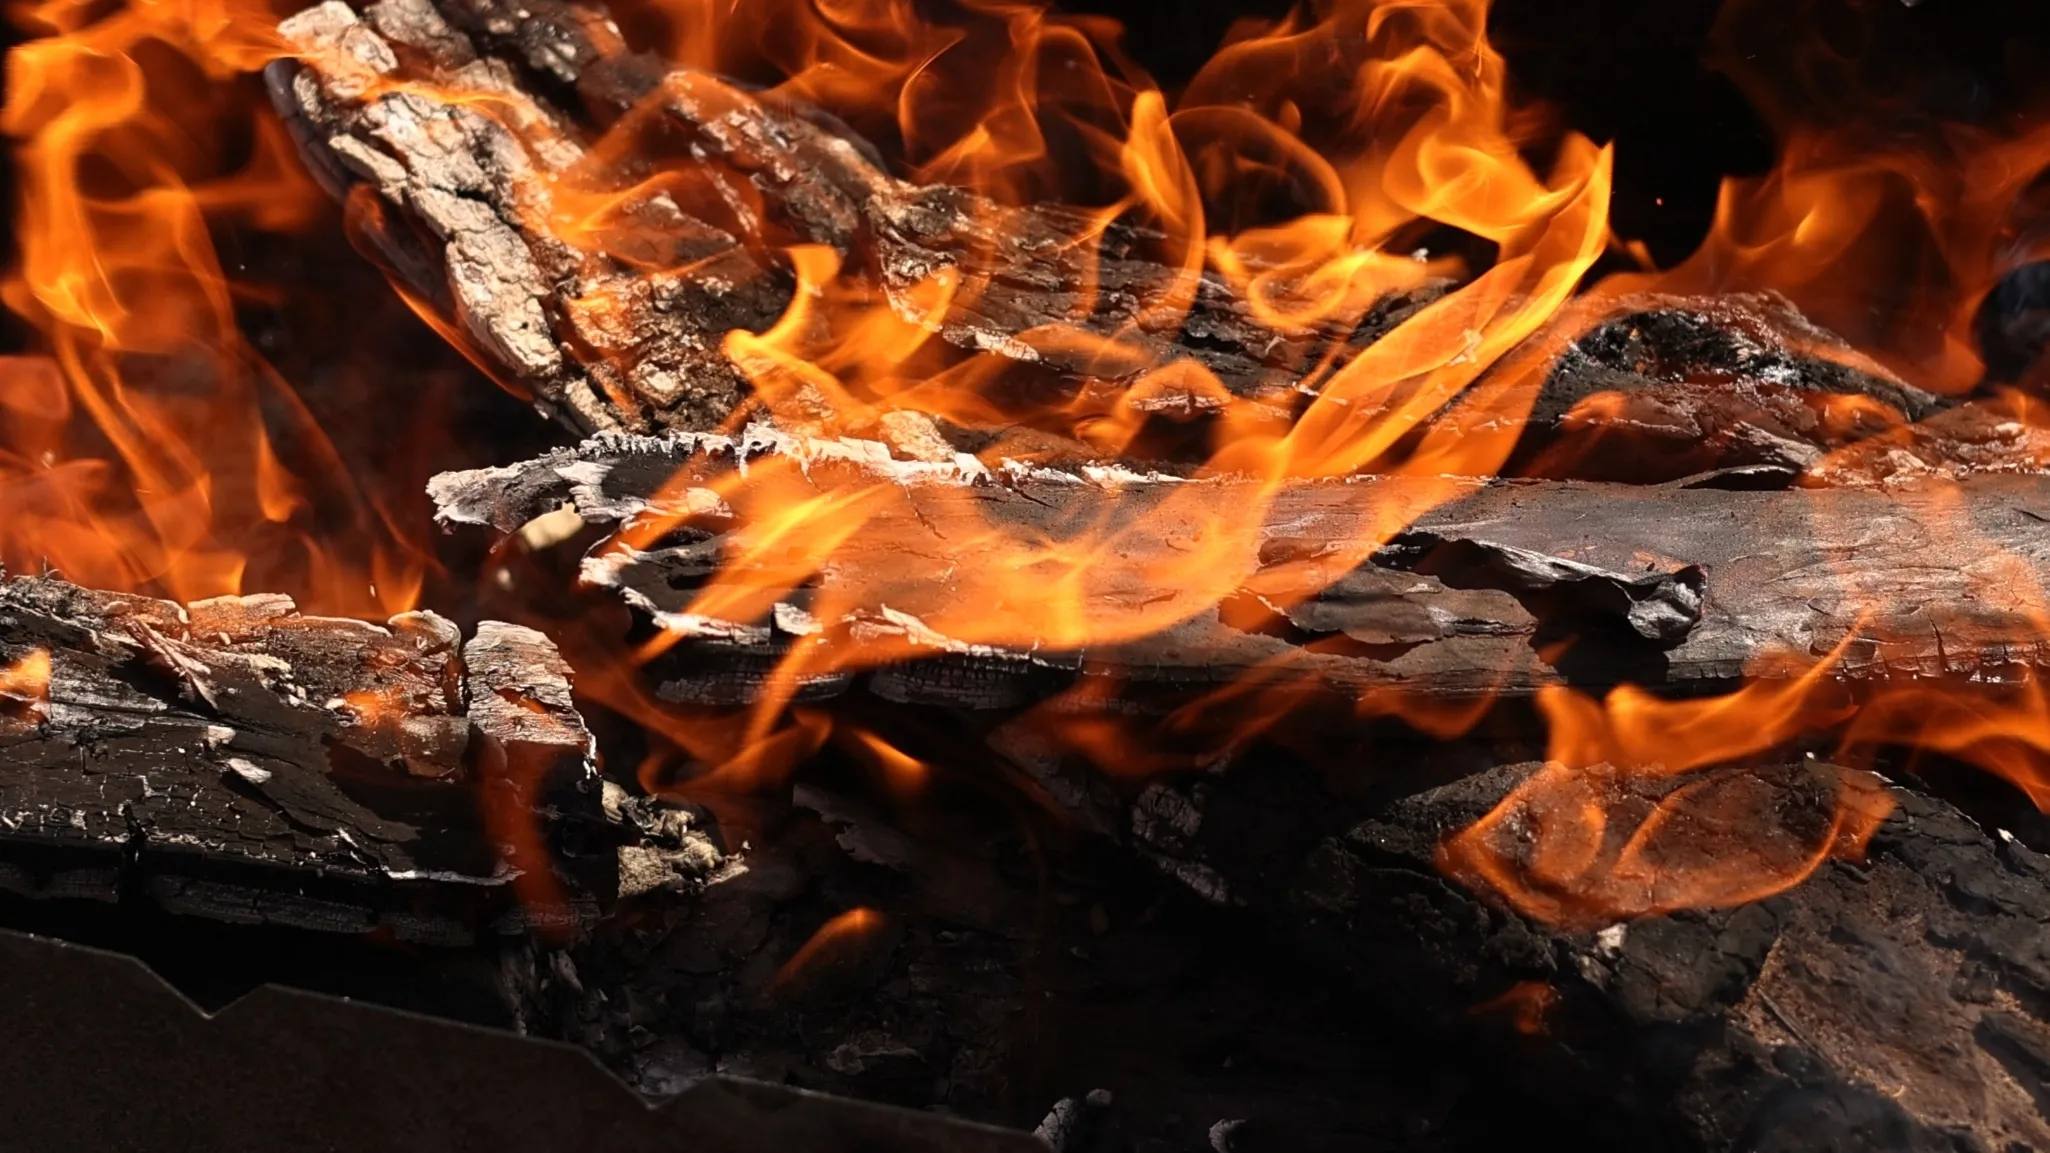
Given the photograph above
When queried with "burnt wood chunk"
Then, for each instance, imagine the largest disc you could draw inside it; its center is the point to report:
(1894, 1001)
(1504, 588)
(234, 759)
(520, 698)
(591, 224)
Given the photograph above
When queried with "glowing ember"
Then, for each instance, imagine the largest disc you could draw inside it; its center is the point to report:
(27, 680)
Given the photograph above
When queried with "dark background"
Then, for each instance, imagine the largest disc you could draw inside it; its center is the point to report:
(1650, 76)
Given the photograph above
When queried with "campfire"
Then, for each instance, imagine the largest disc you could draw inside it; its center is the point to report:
(931, 552)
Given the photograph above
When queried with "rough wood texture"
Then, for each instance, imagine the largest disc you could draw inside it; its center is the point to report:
(1656, 585)
(1895, 1002)
(964, 956)
(618, 323)
(1672, 387)
(619, 347)
(234, 759)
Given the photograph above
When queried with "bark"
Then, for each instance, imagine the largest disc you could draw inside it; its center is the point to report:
(1663, 586)
(236, 760)
(619, 323)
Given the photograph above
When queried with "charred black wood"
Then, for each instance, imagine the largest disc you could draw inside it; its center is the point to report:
(1668, 388)
(236, 760)
(1892, 1001)
(960, 956)
(1665, 586)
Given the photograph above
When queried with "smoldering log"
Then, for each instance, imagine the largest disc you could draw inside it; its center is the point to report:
(237, 760)
(1663, 586)
(457, 204)
(1894, 1000)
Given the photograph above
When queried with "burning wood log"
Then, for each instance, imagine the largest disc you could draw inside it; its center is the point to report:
(461, 216)
(1891, 1001)
(1665, 586)
(476, 190)
(236, 760)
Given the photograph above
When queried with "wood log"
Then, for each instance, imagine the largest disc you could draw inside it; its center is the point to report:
(236, 760)
(452, 124)
(1894, 1001)
(961, 955)
(1665, 586)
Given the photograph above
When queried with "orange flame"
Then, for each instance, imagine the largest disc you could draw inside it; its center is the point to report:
(27, 679)
(148, 445)
(1884, 224)
(844, 941)
(137, 452)
(1640, 808)
(1525, 1005)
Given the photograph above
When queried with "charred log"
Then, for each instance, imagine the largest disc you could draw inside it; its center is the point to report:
(1893, 1001)
(236, 760)
(1668, 388)
(457, 214)
(1668, 586)
(620, 324)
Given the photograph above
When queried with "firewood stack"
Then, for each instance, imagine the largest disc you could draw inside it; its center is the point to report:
(1701, 485)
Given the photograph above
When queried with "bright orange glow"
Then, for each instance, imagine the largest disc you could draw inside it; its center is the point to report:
(146, 444)
(27, 680)
(140, 450)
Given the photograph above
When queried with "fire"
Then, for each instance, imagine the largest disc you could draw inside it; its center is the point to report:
(146, 445)
(1883, 223)
(1646, 806)
(1379, 121)
(834, 954)
(1307, 167)
(1523, 1005)
(1430, 140)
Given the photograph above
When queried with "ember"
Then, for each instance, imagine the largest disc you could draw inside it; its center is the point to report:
(1024, 525)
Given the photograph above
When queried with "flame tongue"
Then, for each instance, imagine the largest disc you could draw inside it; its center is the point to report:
(144, 449)
(1072, 268)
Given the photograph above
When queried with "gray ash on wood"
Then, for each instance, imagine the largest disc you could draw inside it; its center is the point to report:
(1671, 586)
(457, 205)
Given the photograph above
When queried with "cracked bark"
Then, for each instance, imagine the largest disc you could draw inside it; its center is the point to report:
(472, 202)
(236, 760)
